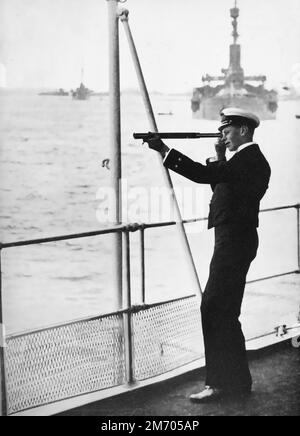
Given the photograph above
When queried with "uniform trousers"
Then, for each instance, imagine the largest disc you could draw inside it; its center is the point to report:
(226, 361)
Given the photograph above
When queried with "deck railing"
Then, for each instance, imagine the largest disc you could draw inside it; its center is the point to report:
(138, 343)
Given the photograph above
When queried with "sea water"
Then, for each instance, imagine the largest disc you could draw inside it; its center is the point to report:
(52, 181)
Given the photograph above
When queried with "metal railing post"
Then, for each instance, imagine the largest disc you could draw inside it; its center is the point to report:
(3, 406)
(128, 339)
(115, 143)
(143, 272)
(298, 235)
(179, 221)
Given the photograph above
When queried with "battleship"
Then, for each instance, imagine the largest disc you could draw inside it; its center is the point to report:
(232, 89)
(81, 93)
(84, 93)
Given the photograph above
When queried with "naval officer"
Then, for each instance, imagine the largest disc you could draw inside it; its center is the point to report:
(238, 186)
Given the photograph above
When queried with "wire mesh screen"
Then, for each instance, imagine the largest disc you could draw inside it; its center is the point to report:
(166, 337)
(63, 362)
(66, 361)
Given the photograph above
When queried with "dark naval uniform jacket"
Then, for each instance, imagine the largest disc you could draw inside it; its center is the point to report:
(238, 184)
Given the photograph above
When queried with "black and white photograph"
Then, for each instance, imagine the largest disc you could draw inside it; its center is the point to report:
(149, 210)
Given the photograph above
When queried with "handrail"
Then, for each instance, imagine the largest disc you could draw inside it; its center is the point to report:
(120, 229)
(133, 309)
(294, 206)
(115, 229)
(275, 276)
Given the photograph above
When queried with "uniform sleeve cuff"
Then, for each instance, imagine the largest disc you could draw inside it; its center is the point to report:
(212, 160)
(166, 155)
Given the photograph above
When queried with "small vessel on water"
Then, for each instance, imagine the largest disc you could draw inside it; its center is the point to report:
(170, 113)
(60, 93)
(81, 93)
(233, 89)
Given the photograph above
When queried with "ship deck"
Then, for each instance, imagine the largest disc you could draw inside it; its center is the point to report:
(275, 368)
(276, 392)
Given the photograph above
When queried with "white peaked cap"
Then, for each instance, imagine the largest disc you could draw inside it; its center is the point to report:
(234, 115)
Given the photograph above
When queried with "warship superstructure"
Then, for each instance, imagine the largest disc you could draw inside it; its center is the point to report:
(232, 88)
(81, 93)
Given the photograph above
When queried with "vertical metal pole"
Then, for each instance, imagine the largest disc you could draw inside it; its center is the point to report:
(142, 257)
(298, 235)
(3, 406)
(127, 315)
(115, 144)
(124, 18)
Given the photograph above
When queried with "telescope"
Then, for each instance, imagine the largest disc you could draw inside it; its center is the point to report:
(175, 135)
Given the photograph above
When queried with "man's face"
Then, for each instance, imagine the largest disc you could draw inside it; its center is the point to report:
(232, 137)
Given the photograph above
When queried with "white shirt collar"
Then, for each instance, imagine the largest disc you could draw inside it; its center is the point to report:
(242, 147)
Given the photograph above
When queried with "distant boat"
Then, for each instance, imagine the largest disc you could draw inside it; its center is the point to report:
(166, 113)
(60, 93)
(99, 94)
(298, 117)
(232, 89)
(82, 93)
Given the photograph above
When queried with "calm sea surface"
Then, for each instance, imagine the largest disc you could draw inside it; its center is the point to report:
(51, 153)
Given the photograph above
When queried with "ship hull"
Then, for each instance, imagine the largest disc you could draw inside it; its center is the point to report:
(210, 108)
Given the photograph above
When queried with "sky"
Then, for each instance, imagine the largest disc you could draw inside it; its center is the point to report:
(47, 43)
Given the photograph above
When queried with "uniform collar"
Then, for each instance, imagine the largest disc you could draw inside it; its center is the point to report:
(242, 147)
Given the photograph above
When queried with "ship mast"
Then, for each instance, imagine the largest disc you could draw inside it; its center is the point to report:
(233, 86)
(235, 49)
(234, 75)
(235, 12)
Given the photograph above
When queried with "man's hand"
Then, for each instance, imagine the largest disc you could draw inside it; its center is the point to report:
(157, 144)
(220, 149)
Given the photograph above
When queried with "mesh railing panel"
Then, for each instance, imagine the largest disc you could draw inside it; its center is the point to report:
(64, 362)
(166, 337)
(87, 356)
